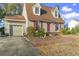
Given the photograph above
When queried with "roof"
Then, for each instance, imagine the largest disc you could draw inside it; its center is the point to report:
(47, 17)
(15, 18)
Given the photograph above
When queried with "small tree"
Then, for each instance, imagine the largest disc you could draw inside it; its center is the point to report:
(30, 31)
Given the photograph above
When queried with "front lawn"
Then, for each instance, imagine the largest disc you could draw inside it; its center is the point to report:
(57, 45)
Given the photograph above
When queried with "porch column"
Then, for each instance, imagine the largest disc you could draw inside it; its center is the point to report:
(41, 25)
(34, 24)
(48, 27)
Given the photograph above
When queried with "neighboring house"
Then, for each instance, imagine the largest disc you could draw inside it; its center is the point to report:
(73, 24)
(35, 15)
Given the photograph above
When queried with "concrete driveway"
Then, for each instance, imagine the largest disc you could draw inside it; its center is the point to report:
(17, 46)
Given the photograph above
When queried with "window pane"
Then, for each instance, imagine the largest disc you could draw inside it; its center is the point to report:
(55, 13)
(57, 27)
(37, 10)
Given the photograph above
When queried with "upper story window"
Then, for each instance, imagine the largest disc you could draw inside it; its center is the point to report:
(37, 10)
(55, 13)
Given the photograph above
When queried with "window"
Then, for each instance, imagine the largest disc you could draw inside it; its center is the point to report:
(57, 27)
(37, 10)
(55, 13)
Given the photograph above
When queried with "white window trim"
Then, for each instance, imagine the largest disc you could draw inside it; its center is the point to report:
(53, 13)
(38, 12)
(38, 6)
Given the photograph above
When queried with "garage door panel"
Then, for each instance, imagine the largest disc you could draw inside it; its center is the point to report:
(17, 30)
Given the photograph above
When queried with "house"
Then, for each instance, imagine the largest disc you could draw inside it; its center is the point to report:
(73, 24)
(33, 13)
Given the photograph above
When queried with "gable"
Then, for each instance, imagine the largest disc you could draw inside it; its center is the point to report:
(46, 14)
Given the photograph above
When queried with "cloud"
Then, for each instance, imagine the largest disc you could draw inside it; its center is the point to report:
(70, 15)
(66, 9)
(74, 4)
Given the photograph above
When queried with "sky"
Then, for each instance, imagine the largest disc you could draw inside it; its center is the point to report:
(68, 11)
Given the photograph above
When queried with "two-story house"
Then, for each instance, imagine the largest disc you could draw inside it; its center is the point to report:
(33, 13)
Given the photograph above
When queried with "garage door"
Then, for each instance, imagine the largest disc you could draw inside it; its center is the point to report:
(17, 30)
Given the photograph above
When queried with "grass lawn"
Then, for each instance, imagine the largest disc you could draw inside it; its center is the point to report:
(64, 45)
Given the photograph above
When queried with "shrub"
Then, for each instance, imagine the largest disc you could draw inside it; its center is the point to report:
(2, 31)
(40, 33)
(65, 31)
(73, 31)
(30, 31)
(47, 34)
(68, 31)
(77, 29)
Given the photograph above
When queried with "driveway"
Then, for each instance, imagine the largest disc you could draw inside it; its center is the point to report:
(17, 46)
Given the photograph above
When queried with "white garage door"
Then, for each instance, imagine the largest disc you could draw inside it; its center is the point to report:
(17, 30)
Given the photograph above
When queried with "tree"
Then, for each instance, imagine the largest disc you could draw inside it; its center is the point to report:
(9, 7)
(6, 10)
(13, 9)
(2, 13)
(18, 9)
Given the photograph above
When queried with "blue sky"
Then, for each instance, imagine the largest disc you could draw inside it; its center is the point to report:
(69, 11)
